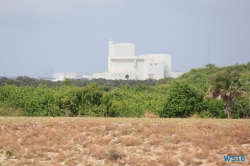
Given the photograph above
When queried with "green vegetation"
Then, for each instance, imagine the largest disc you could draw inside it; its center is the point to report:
(181, 97)
(113, 155)
(9, 153)
(183, 100)
(226, 86)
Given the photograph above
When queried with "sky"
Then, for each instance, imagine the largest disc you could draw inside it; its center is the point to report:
(41, 37)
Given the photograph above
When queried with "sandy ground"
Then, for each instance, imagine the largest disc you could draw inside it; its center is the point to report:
(123, 141)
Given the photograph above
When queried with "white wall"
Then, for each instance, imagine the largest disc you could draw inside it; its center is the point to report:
(166, 58)
(156, 69)
(115, 76)
(123, 65)
(67, 75)
(140, 69)
(124, 49)
(122, 76)
(121, 49)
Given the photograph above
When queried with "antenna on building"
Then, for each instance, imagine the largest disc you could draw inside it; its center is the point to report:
(208, 50)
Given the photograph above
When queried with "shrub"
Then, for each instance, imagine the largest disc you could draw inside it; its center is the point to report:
(9, 153)
(113, 155)
(183, 101)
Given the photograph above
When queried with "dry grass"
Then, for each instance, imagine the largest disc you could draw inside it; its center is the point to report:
(122, 141)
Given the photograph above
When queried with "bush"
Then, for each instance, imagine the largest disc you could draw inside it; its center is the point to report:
(183, 101)
(114, 155)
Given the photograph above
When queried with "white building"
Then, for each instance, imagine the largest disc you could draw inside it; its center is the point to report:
(62, 76)
(124, 64)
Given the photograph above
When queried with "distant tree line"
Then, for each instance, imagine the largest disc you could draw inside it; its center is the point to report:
(209, 92)
(27, 81)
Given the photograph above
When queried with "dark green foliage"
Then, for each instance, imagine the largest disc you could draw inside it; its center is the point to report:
(67, 82)
(210, 66)
(89, 99)
(122, 102)
(183, 101)
(212, 108)
(168, 97)
(226, 86)
(9, 154)
(114, 155)
(27, 81)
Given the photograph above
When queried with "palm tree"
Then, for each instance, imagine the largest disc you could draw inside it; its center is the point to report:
(226, 86)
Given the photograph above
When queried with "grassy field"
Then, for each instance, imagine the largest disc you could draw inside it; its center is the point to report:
(122, 141)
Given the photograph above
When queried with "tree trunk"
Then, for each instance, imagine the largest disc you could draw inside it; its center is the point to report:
(229, 108)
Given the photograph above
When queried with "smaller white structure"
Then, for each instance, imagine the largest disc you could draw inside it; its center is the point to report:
(62, 76)
(124, 64)
(86, 76)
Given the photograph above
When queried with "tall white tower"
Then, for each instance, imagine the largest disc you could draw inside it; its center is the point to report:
(111, 54)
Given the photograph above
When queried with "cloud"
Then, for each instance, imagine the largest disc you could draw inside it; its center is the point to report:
(54, 8)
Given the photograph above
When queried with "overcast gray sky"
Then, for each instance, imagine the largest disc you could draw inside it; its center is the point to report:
(72, 35)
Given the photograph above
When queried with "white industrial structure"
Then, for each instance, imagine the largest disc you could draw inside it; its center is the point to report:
(62, 76)
(124, 64)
